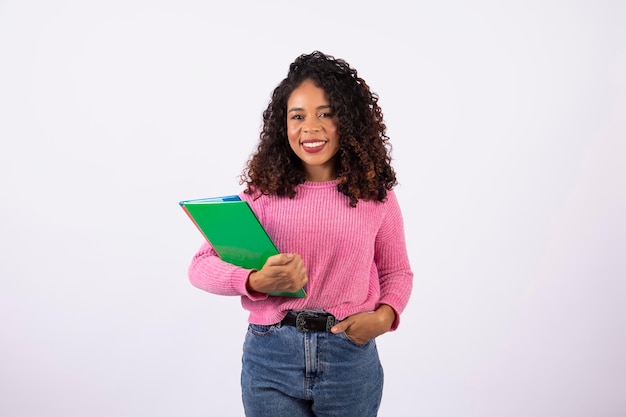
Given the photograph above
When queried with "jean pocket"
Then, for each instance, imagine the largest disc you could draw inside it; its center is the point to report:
(344, 336)
(260, 329)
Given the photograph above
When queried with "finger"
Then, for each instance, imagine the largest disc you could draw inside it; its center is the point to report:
(340, 327)
(280, 259)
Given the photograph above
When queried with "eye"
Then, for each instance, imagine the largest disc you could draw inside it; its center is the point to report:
(326, 114)
(297, 117)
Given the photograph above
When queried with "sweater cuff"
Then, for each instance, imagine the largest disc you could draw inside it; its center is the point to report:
(239, 279)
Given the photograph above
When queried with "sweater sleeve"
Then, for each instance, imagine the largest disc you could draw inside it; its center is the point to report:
(209, 273)
(392, 261)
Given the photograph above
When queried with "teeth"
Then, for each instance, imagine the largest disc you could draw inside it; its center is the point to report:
(313, 144)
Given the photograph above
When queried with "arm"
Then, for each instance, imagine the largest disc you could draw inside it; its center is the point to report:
(395, 277)
(209, 273)
(282, 272)
(392, 261)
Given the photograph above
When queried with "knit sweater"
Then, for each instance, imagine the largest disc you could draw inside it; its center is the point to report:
(355, 257)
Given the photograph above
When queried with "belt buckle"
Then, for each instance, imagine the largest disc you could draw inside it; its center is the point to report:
(301, 321)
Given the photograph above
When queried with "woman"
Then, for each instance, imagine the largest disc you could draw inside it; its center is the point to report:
(321, 183)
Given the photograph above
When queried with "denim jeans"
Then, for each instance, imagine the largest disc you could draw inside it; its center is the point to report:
(289, 373)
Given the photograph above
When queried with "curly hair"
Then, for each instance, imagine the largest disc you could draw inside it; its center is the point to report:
(363, 162)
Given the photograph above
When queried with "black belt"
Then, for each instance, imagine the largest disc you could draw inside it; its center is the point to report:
(307, 321)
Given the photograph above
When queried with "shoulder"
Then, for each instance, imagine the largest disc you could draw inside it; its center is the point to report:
(391, 197)
(259, 202)
(388, 209)
(253, 197)
(389, 202)
(392, 203)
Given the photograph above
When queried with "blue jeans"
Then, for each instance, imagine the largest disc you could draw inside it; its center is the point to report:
(289, 373)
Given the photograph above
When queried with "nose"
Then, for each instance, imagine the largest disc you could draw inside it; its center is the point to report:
(312, 125)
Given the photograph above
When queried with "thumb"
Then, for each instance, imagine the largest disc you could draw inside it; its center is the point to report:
(340, 327)
(280, 259)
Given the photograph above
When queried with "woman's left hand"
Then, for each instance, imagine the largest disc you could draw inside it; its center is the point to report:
(362, 327)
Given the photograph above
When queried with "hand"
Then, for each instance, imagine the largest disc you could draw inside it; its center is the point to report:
(282, 272)
(362, 327)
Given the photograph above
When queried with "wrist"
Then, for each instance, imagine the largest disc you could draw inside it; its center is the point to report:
(387, 314)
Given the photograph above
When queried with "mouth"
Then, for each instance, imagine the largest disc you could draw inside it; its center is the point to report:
(313, 145)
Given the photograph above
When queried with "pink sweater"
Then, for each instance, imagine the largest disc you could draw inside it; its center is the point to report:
(356, 258)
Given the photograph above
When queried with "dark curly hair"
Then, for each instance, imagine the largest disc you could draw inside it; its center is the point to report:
(363, 162)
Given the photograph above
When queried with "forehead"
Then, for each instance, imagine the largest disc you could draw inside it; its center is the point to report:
(307, 92)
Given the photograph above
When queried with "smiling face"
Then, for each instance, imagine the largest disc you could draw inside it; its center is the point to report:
(313, 131)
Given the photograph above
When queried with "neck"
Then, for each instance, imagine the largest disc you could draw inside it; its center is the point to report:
(319, 174)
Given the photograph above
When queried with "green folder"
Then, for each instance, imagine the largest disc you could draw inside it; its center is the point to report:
(234, 232)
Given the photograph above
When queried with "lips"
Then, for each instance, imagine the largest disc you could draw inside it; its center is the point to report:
(313, 145)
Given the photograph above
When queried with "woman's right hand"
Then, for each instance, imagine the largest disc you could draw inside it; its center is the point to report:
(282, 272)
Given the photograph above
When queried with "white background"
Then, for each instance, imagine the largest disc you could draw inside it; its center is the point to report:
(508, 121)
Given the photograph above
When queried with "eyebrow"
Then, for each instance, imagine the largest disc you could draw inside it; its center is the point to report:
(325, 106)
